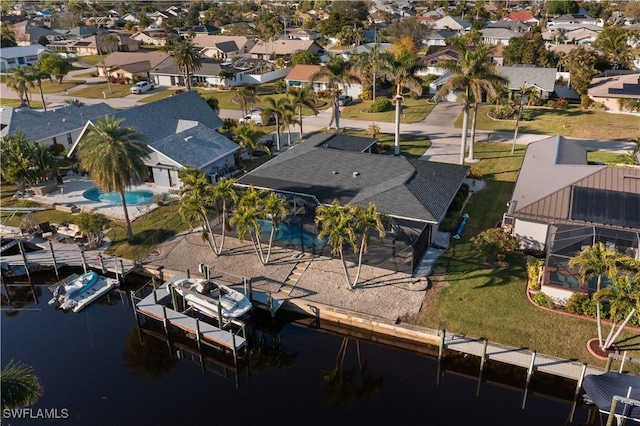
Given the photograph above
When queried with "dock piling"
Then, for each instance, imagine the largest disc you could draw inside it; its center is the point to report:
(53, 258)
(577, 392)
(483, 359)
(26, 267)
(122, 272)
(155, 295)
(84, 260)
(101, 259)
(529, 374)
(607, 366)
(135, 308)
(624, 358)
(440, 355)
(4, 284)
(198, 337)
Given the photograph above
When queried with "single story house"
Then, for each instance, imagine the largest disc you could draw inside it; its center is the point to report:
(435, 57)
(59, 126)
(452, 23)
(302, 34)
(154, 37)
(300, 75)
(93, 44)
(522, 16)
(583, 36)
(179, 131)
(123, 65)
(501, 36)
(10, 57)
(439, 37)
(168, 74)
(562, 204)
(414, 193)
(223, 47)
(29, 32)
(610, 89)
(520, 76)
(511, 25)
(283, 48)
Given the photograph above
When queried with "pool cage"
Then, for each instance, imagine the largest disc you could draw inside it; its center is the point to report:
(400, 250)
(567, 241)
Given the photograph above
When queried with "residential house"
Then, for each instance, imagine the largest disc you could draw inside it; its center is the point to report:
(154, 37)
(501, 36)
(303, 34)
(572, 18)
(522, 16)
(58, 126)
(10, 57)
(194, 30)
(439, 37)
(179, 131)
(435, 56)
(126, 65)
(562, 204)
(612, 88)
(168, 74)
(300, 75)
(451, 23)
(415, 194)
(583, 36)
(129, 17)
(92, 45)
(269, 50)
(223, 47)
(520, 76)
(28, 32)
(511, 25)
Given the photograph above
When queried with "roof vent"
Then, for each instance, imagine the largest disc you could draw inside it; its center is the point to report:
(356, 174)
(188, 138)
(334, 172)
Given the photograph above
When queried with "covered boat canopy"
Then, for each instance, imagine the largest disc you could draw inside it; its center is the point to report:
(601, 389)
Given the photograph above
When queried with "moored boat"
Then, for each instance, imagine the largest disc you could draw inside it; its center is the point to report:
(211, 297)
(81, 291)
(601, 389)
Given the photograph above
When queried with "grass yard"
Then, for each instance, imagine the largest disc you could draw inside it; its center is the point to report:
(94, 91)
(89, 59)
(573, 122)
(55, 87)
(489, 301)
(15, 103)
(411, 146)
(413, 111)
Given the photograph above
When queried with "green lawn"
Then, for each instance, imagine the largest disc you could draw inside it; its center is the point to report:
(489, 301)
(410, 145)
(413, 111)
(573, 122)
(16, 103)
(89, 59)
(95, 91)
(55, 87)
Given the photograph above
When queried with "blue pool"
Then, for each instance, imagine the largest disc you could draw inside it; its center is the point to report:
(138, 196)
(292, 234)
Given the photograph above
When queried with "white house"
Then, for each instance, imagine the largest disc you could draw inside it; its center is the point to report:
(300, 76)
(10, 57)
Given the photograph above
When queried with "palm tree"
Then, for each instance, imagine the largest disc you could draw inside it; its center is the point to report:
(35, 74)
(370, 63)
(303, 97)
(20, 81)
(276, 108)
(366, 219)
(187, 58)
(247, 216)
(275, 208)
(472, 75)
(613, 40)
(19, 386)
(224, 191)
(596, 261)
(335, 223)
(196, 202)
(245, 96)
(338, 72)
(114, 156)
(226, 75)
(400, 68)
(624, 301)
(249, 136)
(288, 119)
(108, 43)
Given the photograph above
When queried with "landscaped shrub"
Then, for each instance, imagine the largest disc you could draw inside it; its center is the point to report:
(585, 101)
(494, 243)
(575, 303)
(561, 103)
(506, 111)
(474, 173)
(380, 105)
(589, 308)
(542, 299)
(450, 222)
(633, 105)
(533, 271)
(551, 103)
(57, 148)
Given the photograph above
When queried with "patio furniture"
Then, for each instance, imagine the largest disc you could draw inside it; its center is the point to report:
(45, 188)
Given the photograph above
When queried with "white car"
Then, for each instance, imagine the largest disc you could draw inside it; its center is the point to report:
(141, 87)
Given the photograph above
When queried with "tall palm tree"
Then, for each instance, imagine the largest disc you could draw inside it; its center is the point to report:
(36, 75)
(246, 96)
(364, 220)
(370, 63)
(275, 208)
(18, 386)
(20, 81)
(226, 75)
(303, 97)
(336, 224)
(472, 74)
(249, 136)
(596, 261)
(196, 203)
(186, 56)
(400, 68)
(338, 72)
(247, 217)
(289, 119)
(623, 297)
(224, 192)
(107, 43)
(276, 108)
(114, 156)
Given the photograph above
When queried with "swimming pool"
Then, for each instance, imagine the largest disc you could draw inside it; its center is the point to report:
(137, 196)
(291, 234)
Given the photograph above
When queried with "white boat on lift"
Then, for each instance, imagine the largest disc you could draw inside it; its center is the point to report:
(211, 297)
(82, 291)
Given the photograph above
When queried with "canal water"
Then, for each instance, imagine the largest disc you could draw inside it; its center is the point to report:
(101, 369)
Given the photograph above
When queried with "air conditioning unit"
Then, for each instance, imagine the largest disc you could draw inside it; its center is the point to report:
(213, 177)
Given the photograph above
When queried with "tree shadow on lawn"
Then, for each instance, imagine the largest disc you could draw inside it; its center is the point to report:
(150, 237)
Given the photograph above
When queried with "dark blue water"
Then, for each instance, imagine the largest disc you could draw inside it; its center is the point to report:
(93, 365)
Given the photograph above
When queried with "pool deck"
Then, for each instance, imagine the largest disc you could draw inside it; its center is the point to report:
(70, 193)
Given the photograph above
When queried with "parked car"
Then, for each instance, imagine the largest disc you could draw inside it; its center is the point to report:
(255, 116)
(344, 100)
(141, 87)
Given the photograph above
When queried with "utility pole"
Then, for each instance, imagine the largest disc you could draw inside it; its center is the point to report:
(523, 99)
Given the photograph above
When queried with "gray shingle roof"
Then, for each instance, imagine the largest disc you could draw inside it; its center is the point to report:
(38, 125)
(197, 146)
(544, 78)
(208, 68)
(342, 142)
(413, 189)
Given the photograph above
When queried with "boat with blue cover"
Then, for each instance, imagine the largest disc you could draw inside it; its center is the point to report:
(81, 291)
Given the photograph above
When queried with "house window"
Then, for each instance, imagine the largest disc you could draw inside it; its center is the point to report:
(69, 139)
(55, 141)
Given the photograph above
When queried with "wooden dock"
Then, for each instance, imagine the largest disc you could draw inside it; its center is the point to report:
(154, 306)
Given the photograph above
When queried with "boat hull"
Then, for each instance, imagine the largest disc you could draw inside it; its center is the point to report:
(222, 300)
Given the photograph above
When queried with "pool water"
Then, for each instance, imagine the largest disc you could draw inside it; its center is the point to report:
(138, 196)
(291, 234)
